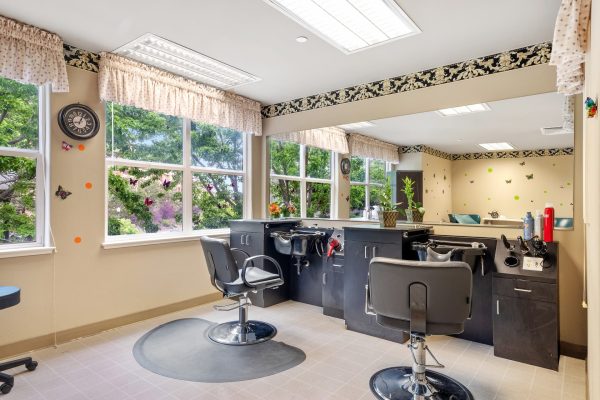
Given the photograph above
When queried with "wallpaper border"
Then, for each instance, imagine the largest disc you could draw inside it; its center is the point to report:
(421, 148)
(76, 57)
(512, 59)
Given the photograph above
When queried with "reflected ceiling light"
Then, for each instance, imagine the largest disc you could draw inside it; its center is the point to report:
(462, 110)
(164, 54)
(301, 39)
(350, 25)
(356, 125)
(497, 146)
(555, 130)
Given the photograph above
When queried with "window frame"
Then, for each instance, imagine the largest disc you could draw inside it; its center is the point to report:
(42, 175)
(188, 170)
(367, 182)
(303, 179)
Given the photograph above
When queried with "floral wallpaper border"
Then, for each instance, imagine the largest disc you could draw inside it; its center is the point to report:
(513, 59)
(421, 148)
(79, 58)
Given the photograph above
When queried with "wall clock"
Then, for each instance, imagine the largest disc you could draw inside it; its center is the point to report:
(345, 166)
(78, 121)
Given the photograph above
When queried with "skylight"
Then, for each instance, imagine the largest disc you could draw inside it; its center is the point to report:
(350, 25)
(497, 146)
(356, 125)
(555, 130)
(164, 54)
(462, 110)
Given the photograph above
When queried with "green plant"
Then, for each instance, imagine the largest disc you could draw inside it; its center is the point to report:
(386, 197)
(409, 192)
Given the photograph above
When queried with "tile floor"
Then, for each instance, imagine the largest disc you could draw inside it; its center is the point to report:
(338, 365)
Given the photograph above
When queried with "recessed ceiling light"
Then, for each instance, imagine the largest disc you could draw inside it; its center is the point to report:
(356, 125)
(301, 39)
(164, 54)
(462, 110)
(497, 146)
(350, 25)
(555, 130)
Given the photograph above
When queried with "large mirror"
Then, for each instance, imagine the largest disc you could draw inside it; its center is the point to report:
(487, 163)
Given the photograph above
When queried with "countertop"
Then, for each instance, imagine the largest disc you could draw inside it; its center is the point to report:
(398, 227)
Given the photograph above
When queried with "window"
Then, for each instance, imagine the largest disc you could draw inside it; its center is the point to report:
(301, 176)
(22, 165)
(367, 179)
(171, 175)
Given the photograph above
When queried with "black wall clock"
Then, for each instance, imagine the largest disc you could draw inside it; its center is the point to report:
(78, 121)
(345, 166)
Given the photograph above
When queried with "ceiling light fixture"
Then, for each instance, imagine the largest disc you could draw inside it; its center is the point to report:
(462, 110)
(356, 125)
(301, 39)
(555, 130)
(497, 146)
(350, 25)
(164, 54)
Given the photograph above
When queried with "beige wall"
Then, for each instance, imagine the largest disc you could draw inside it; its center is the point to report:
(480, 186)
(438, 187)
(82, 283)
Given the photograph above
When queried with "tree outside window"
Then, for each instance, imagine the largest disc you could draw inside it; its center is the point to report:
(367, 180)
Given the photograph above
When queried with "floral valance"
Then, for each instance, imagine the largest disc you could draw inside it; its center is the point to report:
(365, 146)
(32, 55)
(570, 44)
(132, 83)
(329, 138)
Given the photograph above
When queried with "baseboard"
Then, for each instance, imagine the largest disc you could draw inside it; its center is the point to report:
(573, 350)
(40, 342)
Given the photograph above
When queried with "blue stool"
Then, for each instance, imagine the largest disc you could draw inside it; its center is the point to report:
(11, 296)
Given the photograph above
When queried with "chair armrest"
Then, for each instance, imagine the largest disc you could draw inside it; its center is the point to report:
(251, 260)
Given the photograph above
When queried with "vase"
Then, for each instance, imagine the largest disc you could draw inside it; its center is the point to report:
(388, 219)
(413, 215)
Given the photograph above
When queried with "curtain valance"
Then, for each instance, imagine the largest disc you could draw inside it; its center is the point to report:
(570, 44)
(329, 138)
(32, 55)
(364, 146)
(135, 84)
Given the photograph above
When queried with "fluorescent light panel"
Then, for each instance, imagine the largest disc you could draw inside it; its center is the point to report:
(555, 130)
(164, 54)
(357, 125)
(462, 110)
(497, 146)
(350, 25)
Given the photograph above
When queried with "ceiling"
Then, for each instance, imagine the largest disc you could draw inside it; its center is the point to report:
(517, 121)
(255, 37)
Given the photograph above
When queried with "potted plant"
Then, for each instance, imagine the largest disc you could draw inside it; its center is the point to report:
(415, 210)
(287, 209)
(389, 213)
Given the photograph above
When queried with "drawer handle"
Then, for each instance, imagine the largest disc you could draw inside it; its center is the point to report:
(366, 256)
(337, 265)
(523, 290)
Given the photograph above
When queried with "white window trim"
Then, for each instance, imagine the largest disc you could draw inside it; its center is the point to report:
(42, 178)
(367, 183)
(188, 170)
(303, 179)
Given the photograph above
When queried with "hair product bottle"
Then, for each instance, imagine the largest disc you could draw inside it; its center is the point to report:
(538, 224)
(528, 226)
(549, 223)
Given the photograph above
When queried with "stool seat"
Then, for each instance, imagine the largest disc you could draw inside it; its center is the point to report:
(9, 296)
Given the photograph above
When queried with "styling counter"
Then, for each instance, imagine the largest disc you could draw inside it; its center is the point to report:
(513, 309)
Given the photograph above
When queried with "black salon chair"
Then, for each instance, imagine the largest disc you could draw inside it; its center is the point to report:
(11, 296)
(421, 298)
(233, 273)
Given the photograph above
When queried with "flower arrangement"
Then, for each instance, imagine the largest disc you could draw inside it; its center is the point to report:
(274, 210)
(287, 209)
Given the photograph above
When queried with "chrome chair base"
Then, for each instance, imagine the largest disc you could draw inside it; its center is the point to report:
(397, 383)
(238, 334)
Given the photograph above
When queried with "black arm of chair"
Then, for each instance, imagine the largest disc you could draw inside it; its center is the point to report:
(251, 260)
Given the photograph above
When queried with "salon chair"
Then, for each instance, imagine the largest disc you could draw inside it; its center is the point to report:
(11, 296)
(233, 273)
(420, 298)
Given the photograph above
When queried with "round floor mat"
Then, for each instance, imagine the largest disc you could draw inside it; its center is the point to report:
(181, 349)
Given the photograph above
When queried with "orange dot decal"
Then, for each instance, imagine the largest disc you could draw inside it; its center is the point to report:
(81, 147)
(77, 239)
(88, 185)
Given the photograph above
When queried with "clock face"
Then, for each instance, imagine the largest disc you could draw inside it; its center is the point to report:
(345, 166)
(78, 121)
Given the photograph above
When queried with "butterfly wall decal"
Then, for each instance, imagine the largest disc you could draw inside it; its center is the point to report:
(472, 181)
(66, 146)
(347, 198)
(508, 181)
(133, 182)
(522, 164)
(529, 177)
(166, 183)
(148, 202)
(62, 193)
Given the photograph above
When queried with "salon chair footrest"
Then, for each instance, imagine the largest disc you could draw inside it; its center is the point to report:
(237, 334)
(394, 383)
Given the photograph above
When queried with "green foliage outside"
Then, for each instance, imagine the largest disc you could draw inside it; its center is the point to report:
(18, 129)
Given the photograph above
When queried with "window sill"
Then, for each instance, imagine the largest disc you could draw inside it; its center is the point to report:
(25, 251)
(148, 240)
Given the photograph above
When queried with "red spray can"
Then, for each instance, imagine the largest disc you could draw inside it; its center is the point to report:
(549, 223)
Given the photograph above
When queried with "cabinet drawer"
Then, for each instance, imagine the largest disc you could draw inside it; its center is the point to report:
(524, 288)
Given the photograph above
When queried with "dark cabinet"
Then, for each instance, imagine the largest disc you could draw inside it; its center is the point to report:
(333, 286)
(306, 286)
